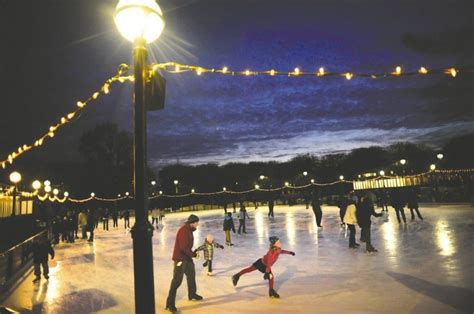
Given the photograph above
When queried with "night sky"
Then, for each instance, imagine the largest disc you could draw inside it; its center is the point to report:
(55, 53)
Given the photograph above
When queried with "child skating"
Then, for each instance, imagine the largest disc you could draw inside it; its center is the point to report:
(228, 225)
(264, 265)
(208, 248)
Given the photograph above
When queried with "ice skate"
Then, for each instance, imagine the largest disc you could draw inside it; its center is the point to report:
(273, 294)
(235, 279)
(209, 273)
(36, 279)
(195, 297)
(171, 308)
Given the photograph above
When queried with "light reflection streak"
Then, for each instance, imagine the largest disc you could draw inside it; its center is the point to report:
(444, 238)
(290, 227)
(260, 227)
(391, 240)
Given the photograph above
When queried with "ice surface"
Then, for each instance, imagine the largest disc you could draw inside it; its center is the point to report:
(421, 267)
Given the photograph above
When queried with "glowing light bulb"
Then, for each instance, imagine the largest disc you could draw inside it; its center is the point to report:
(453, 72)
(297, 71)
(247, 72)
(432, 167)
(398, 70)
(341, 178)
(176, 68)
(224, 70)
(71, 115)
(272, 72)
(321, 71)
(348, 75)
(199, 71)
(51, 134)
(95, 95)
(423, 70)
(80, 104)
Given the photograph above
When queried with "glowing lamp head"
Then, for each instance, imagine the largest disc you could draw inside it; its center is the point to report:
(47, 188)
(257, 186)
(153, 182)
(161, 192)
(403, 161)
(287, 183)
(224, 189)
(36, 185)
(127, 194)
(66, 194)
(55, 191)
(305, 173)
(262, 177)
(175, 182)
(92, 194)
(139, 19)
(440, 156)
(192, 190)
(382, 173)
(341, 178)
(312, 180)
(47, 183)
(15, 177)
(432, 167)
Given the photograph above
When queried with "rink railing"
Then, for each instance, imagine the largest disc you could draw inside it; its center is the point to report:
(15, 261)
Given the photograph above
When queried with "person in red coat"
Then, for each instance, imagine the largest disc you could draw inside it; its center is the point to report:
(183, 263)
(264, 265)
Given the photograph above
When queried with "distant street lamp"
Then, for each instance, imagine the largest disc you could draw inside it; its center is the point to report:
(127, 194)
(66, 194)
(224, 189)
(55, 191)
(287, 183)
(36, 185)
(175, 186)
(192, 190)
(153, 182)
(47, 188)
(257, 186)
(92, 194)
(305, 173)
(382, 173)
(262, 177)
(15, 178)
(47, 183)
(341, 178)
(440, 156)
(403, 162)
(141, 22)
(432, 167)
(312, 180)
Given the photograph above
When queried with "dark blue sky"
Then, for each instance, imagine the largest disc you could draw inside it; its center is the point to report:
(61, 51)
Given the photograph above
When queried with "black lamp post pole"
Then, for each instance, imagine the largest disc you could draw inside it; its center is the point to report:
(142, 231)
(14, 201)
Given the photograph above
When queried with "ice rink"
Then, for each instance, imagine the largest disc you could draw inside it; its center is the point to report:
(421, 267)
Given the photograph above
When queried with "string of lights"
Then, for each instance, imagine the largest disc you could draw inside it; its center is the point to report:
(173, 67)
(71, 116)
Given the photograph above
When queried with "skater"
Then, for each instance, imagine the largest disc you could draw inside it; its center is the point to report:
(126, 219)
(264, 265)
(228, 225)
(342, 204)
(105, 220)
(350, 219)
(365, 210)
(208, 248)
(183, 263)
(155, 214)
(271, 204)
(413, 204)
(316, 205)
(398, 203)
(41, 248)
(82, 221)
(242, 216)
(115, 218)
(161, 215)
(90, 224)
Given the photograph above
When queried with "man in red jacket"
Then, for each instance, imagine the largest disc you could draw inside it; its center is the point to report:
(183, 263)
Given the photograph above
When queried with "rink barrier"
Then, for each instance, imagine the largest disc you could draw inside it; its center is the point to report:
(16, 262)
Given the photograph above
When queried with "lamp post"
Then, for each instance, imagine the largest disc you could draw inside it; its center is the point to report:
(141, 22)
(15, 178)
(176, 186)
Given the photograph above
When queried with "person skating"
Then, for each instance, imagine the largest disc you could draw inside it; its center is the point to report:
(264, 265)
(365, 210)
(271, 205)
(342, 204)
(115, 218)
(398, 203)
(350, 219)
(126, 219)
(316, 206)
(413, 204)
(183, 263)
(228, 225)
(90, 224)
(82, 221)
(242, 216)
(208, 248)
(41, 249)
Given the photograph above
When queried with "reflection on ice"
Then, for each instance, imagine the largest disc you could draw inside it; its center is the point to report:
(391, 239)
(290, 227)
(260, 227)
(444, 238)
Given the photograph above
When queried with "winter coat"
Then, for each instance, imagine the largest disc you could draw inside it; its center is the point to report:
(41, 251)
(243, 214)
(183, 245)
(365, 209)
(208, 249)
(350, 216)
(272, 256)
(82, 219)
(229, 223)
(316, 205)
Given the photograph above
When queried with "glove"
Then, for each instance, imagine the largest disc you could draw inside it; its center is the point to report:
(266, 276)
(196, 255)
(293, 253)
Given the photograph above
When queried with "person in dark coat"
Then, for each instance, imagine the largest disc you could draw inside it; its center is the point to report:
(316, 205)
(271, 204)
(342, 204)
(228, 225)
(115, 218)
(90, 224)
(398, 203)
(41, 248)
(242, 216)
(413, 204)
(105, 219)
(126, 218)
(183, 263)
(365, 209)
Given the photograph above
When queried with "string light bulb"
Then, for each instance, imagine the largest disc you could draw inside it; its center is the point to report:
(423, 70)
(348, 75)
(297, 71)
(398, 70)
(247, 72)
(80, 104)
(321, 71)
(224, 70)
(199, 71)
(272, 72)
(453, 72)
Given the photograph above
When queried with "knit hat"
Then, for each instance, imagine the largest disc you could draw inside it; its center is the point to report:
(192, 219)
(273, 240)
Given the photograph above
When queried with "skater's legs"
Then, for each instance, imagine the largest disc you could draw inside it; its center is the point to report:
(352, 234)
(397, 211)
(190, 273)
(271, 280)
(175, 283)
(209, 266)
(247, 270)
(402, 211)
